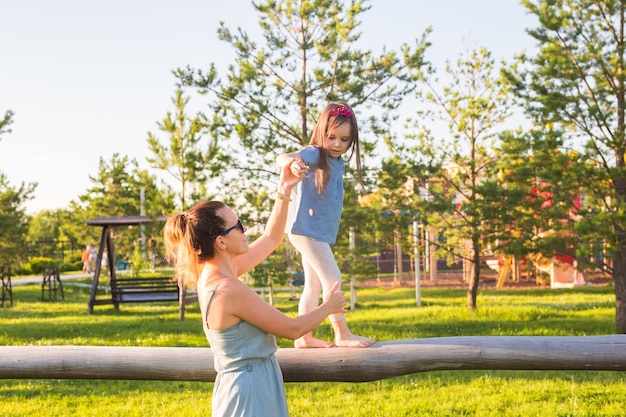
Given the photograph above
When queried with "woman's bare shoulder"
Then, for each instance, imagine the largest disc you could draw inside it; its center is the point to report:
(234, 285)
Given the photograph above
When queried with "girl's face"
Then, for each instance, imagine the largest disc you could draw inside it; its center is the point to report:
(338, 141)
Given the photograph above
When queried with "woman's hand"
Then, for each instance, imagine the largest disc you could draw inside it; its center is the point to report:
(289, 179)
(336, 300)
(298, 167)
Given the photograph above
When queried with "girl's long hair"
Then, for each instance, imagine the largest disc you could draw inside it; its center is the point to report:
(329, 119)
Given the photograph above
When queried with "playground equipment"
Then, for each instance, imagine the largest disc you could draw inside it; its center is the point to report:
(505, 266)
(7, 289)
(131, 290)
(504, 272)
(562, 270)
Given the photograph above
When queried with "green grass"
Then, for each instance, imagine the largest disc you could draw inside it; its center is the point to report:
(386, 315)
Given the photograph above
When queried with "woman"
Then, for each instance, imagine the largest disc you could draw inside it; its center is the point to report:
(210, 250)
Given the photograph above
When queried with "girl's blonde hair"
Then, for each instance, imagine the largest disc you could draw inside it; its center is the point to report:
(189, 240)
(334, 114)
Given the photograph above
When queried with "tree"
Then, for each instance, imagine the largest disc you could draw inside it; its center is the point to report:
(43, 233)
(540, 199)
(5, 122)
(274, 90)
(458, 169)
(363, 221)
(13, 218)
(272, 94)
(183, 158)
(13, 221)
(395, 200)
(575, 84)
(117, 191)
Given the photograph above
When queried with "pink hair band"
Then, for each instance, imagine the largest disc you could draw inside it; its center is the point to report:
(342, 111)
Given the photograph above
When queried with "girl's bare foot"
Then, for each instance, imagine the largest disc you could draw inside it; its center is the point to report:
(311, 342)
(354, 341)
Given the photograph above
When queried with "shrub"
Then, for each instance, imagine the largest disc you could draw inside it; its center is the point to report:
(36, 265)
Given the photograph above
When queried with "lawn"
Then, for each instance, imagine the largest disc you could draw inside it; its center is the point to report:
(384, 314)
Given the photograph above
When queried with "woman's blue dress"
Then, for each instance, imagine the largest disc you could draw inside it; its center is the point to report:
(249, 381)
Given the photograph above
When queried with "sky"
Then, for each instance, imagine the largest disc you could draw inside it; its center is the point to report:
(87, 79)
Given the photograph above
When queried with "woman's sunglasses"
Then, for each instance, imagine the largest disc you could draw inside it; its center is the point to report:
(238, 225)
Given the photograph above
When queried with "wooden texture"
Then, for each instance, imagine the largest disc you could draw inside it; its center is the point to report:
(380, 361)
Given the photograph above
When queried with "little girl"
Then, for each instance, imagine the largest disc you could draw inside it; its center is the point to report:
(314, 218)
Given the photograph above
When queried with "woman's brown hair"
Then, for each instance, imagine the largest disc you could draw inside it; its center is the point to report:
(189, 240)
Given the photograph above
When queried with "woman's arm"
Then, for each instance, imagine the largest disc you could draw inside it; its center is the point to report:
(286, 158)
(295, 160)
(241, 303)
(275, 227)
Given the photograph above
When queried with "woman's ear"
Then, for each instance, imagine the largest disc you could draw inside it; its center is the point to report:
(221, 244)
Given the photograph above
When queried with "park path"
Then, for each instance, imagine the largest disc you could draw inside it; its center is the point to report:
(37, 279)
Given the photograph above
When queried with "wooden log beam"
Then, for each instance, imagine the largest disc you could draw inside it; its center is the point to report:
(380, 361)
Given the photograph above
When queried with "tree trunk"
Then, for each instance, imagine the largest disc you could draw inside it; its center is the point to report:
(619, 261)
(619, 274)
(619, 271)
(474, 279)
(383, 360)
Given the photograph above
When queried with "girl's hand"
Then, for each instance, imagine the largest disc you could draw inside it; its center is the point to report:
(336, 300)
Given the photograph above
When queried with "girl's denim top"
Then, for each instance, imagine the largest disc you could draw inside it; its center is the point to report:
(311, 214)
